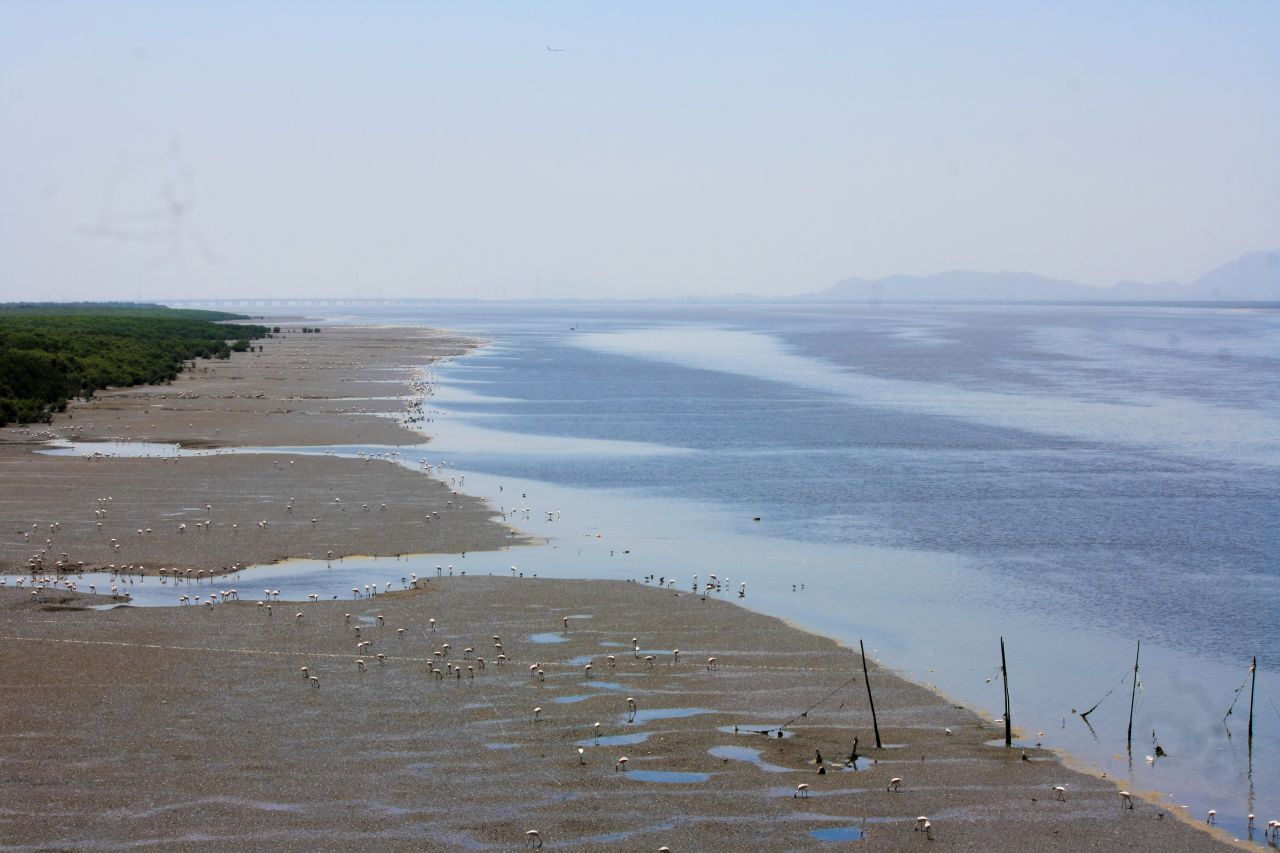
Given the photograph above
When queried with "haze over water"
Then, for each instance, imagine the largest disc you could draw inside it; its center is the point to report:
(1074, 478)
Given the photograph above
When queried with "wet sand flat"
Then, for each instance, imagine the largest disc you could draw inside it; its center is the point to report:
(196, 728)
(207, 513)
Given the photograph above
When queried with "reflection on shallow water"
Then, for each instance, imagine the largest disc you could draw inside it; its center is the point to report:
(1142, 418)
(838, 833)
(746, 753)
(295, 579)
(650, 714)
(129, 449)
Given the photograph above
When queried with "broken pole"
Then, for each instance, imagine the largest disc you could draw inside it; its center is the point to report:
(1133, 696)
(865, 677)
(1004, 676)
(1253, 681)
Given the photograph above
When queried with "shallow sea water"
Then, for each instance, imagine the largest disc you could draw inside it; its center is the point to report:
(1071, 478)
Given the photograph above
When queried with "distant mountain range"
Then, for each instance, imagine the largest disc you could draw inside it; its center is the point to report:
(1253, 277)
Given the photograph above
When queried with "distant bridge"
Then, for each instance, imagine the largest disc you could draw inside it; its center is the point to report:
(347, 302)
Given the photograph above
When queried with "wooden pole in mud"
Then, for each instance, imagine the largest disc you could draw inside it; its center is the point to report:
(874, 723)
(1004, 676)
(1133, 696)
(1253, 681)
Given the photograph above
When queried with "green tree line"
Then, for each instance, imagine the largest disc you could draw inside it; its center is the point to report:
(53, 353)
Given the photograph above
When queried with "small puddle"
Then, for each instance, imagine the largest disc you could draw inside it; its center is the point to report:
(581, 660)
(839, 833)
(754, 729)
(746, 753)
(500, 745)
(132, 449)
(615, 740)
(650, 714)
(569, 700)
(606, 685)
(548, 637)
(672, 777)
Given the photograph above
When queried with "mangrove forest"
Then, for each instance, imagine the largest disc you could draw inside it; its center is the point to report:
(53, 353)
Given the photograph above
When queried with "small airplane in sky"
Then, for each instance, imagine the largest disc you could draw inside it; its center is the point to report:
(556, 49)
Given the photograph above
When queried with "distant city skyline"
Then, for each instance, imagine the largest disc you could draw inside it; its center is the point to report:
(154, 151)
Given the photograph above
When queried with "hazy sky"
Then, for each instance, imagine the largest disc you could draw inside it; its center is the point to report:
(432, 149)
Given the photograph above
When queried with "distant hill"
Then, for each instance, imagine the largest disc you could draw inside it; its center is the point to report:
(1253, 277)
(958, 285)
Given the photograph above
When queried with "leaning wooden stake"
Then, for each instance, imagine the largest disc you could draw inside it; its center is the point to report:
(1134, 695)
(874, 723)
(1004, 676)
(1253, 681)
